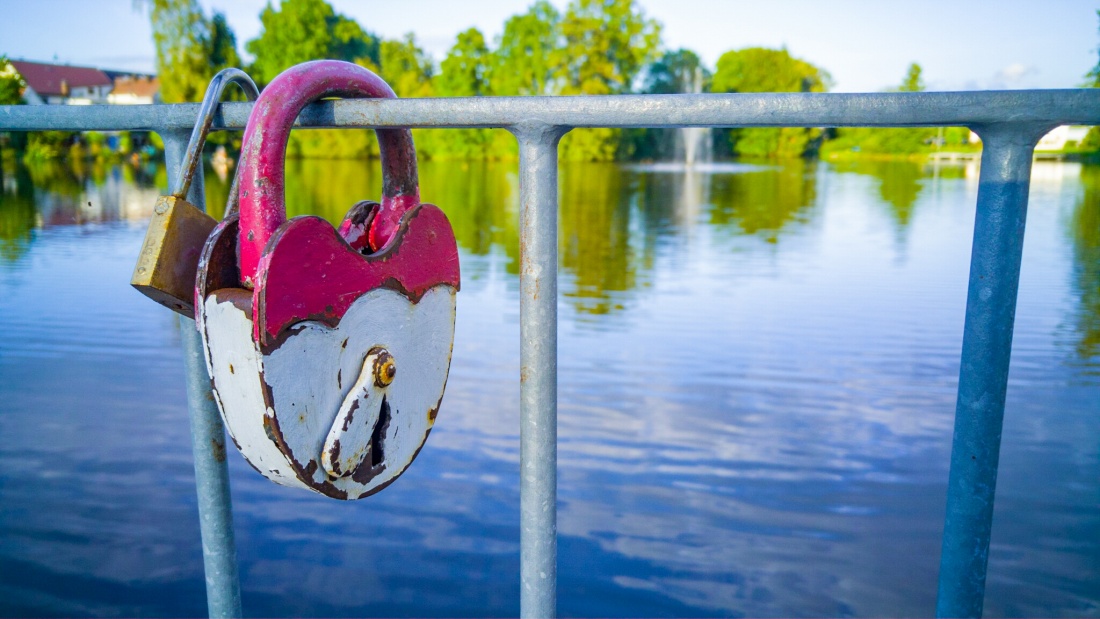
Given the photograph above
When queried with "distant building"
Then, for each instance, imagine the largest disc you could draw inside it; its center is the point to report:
(1060, 137)
(133, 89)
(1056, 140)
(56, 84)
(62, 84)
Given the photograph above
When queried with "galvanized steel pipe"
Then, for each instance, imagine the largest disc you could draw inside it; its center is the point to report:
(538, 374)
(219, 549)
(883, 109)
(983, 376)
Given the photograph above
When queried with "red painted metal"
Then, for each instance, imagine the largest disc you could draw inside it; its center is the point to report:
(262, 192)
(309, 272)
(304, 269)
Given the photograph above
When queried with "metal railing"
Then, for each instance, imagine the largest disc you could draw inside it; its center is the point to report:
(1009, 123)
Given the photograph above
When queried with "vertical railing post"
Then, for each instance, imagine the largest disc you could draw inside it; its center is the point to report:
(219, 550)
(983, 375)
(538, 181)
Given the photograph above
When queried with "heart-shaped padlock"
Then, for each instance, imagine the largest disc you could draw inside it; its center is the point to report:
(328, 348)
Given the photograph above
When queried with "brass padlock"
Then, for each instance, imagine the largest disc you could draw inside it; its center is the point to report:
(169, 258)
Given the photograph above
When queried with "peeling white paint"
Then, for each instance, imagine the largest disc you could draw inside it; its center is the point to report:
(312, 373)
(236, 364)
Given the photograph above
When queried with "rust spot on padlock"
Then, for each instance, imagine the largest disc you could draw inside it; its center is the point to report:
(384, 367)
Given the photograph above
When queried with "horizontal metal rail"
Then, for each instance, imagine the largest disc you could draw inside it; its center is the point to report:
(1050, 107)
(1009, 122)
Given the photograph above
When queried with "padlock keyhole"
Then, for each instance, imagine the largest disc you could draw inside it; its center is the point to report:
(376, 437)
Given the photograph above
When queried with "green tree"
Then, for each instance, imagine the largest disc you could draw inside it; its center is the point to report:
(1093, 75)
(912, 81)
(409, 70)
(464, 72)
(11, 83)
(303, 30)
(1092, 138)
(352, 43)
(675, 72)
(758, 69)
(406, 67)
(11, 93)
(895, 140)
(523, 63)
(604, 45)
(182, 37)
(222, 44)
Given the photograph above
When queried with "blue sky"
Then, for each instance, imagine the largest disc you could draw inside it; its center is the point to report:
(866, 45)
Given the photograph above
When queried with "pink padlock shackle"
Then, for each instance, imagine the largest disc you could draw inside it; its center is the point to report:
(263, 153)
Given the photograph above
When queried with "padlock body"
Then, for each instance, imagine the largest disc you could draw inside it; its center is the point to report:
(280, 403)
(165, 271)
(291, 360)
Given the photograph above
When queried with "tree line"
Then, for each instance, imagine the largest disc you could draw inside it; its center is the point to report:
(593, 47)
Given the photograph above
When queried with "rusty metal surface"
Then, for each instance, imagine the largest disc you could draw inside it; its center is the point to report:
(210, 101)
(165, 271)
(308, 413)
(169, 257)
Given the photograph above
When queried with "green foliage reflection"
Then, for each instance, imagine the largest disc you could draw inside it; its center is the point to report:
(1085, 234)
(594, 235)
(763, 203)
(899, 184)
(17, 214)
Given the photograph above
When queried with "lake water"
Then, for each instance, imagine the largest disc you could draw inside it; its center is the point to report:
(757, 385)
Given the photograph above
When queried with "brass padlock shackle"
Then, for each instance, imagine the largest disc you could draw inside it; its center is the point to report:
(263, 154)
(210, 102)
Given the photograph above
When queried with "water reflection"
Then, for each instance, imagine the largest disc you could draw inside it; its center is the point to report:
(764, 203)
(755, 403)
(1085, 233)
(75, 193)
(595, 236)
(17, 214)
(899, 184)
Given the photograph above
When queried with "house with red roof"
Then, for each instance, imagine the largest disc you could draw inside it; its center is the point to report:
(63, 84)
